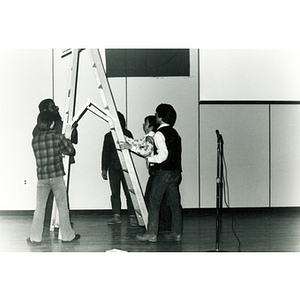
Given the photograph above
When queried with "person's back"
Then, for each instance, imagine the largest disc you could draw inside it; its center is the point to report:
(49, 146)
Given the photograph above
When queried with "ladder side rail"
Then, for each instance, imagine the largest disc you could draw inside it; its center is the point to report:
(133, 184)
(110, 106)
(98, 115)
(72, 90)
(69, 111)
(105, 90)
(141, 209)
(70, 104)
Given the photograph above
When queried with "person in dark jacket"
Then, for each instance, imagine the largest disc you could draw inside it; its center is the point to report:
(112, 170)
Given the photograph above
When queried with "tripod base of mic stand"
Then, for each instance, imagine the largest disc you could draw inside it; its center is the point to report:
(217, 249)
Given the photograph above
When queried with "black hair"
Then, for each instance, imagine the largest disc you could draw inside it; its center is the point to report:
(152, 122)
(167, 113)
(44, 120)
(43, 106)
(122, 120)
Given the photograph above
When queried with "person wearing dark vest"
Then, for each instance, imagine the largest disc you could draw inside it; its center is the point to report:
(166, 166)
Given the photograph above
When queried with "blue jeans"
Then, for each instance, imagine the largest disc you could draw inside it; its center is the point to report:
(58, 187)
(165, 182)
(165, 214)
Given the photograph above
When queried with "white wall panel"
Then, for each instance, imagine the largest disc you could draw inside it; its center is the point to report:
(25, 79)
(245, 130)
(250, 74)
(285, 158)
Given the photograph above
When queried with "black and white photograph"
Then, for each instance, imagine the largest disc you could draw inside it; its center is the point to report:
(162, 156)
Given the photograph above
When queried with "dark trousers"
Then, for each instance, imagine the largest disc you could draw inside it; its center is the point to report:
(116, 176)
(165, 214)
(165, 183)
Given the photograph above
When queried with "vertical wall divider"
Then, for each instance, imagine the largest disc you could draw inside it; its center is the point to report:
(270, 158)
(199, 130)
(126, 101)
(52, 69)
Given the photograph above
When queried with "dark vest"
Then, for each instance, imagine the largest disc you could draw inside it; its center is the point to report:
(173, 142)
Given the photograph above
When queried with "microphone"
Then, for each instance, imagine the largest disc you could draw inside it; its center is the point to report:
(219, 136)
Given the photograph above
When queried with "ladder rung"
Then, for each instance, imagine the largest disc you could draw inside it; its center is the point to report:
(125, 170)
(139, 215)
(131, 191)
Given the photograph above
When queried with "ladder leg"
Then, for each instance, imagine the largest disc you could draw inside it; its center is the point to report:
(68, 117)
(54, 218)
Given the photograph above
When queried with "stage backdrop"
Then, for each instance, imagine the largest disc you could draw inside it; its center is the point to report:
(147, 62)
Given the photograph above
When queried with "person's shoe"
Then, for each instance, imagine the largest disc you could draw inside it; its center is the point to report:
(76, 237)
(146, 237)
(173, 237)
(33, 242)
(133, 221)
(116, 219)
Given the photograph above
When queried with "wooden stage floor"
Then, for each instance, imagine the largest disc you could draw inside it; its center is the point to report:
(257, 230)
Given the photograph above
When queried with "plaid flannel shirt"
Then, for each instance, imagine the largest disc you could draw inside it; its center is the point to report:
(49, 148)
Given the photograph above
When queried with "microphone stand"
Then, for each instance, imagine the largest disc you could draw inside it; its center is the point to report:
(219, 188)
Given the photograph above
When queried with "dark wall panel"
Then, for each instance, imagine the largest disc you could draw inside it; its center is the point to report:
(147, 62)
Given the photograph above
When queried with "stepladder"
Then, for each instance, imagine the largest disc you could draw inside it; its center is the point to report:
(108, 113)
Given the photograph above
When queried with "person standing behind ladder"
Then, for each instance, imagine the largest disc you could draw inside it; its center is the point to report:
(112, 170)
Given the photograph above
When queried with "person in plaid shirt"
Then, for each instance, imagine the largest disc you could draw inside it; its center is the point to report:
(49, 146)
(48, 104)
